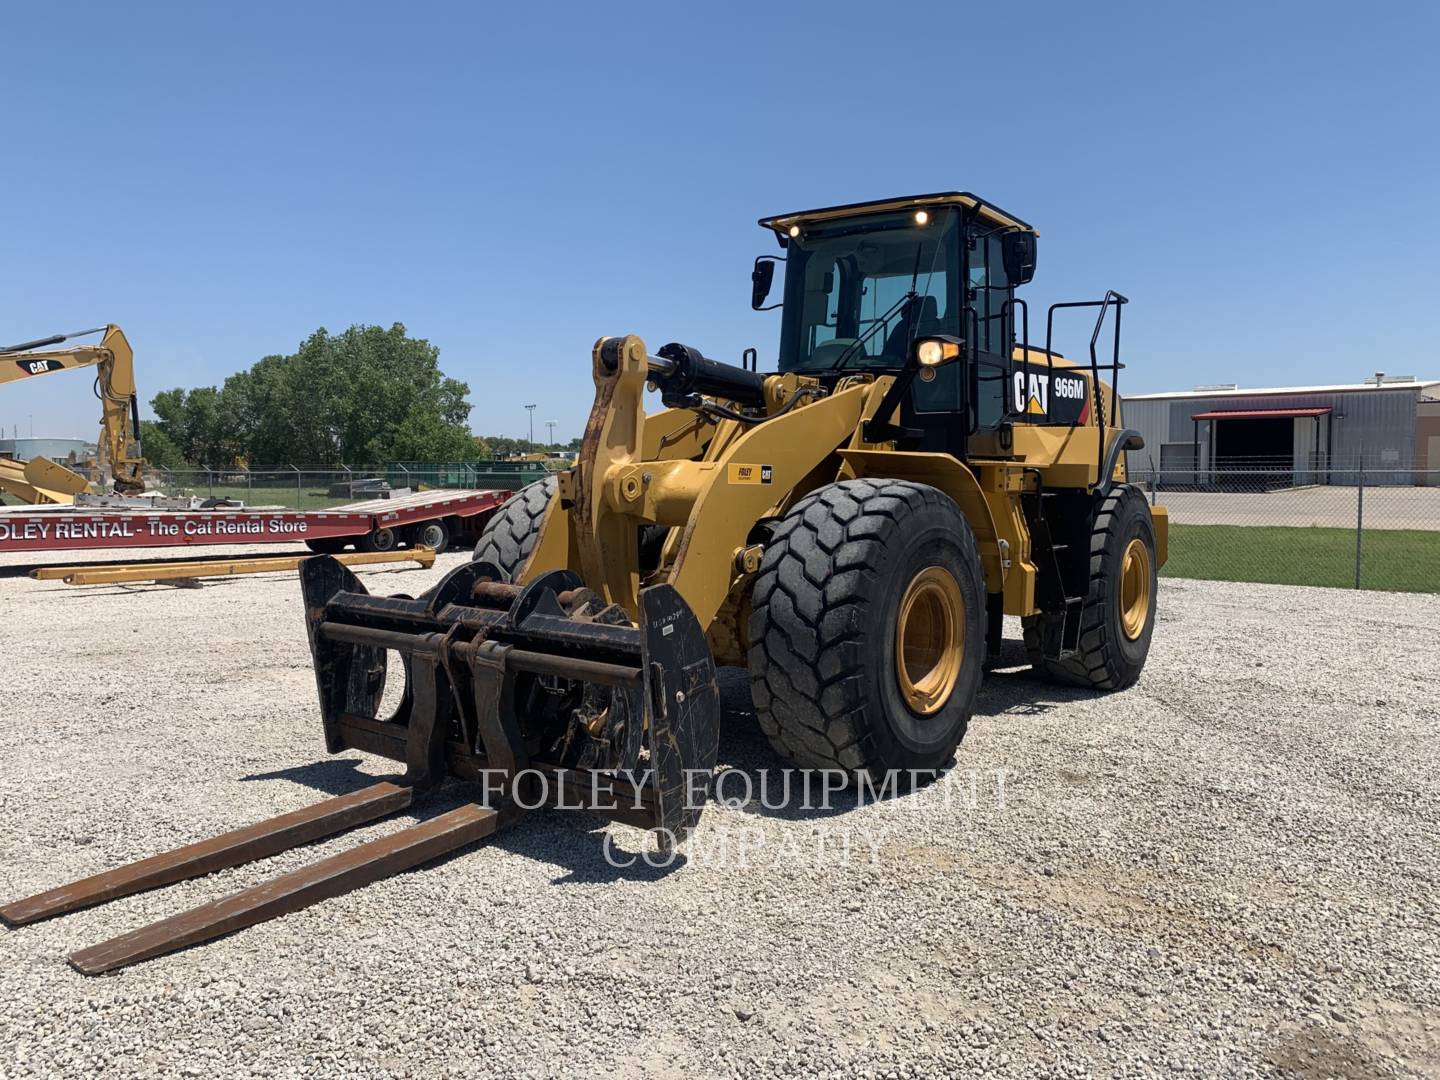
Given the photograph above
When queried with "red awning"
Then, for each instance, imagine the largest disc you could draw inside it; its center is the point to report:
(1256, 414)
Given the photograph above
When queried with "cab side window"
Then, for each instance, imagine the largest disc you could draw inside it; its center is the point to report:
(988, 289)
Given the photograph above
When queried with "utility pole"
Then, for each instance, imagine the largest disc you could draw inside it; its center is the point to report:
(551, 425)
(531, 410)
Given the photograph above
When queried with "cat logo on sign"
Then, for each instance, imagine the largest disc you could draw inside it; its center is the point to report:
(751, 474)
(1061, 395)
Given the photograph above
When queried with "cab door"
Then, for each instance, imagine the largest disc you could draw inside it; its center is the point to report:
(990, 329)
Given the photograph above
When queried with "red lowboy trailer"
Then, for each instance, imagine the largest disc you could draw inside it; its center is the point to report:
(432, 518)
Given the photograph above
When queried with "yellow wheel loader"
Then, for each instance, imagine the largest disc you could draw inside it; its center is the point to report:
(852, 526)
(120, 463)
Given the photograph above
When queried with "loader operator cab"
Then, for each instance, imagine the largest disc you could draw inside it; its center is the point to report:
(864, 284)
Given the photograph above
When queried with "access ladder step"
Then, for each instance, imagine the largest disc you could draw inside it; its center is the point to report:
(253, 842)
(291, 892)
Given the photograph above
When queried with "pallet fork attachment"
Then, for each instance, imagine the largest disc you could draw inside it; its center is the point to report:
(542, 694)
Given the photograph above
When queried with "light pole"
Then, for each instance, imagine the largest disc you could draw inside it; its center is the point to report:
(531, 410)
(551, 425)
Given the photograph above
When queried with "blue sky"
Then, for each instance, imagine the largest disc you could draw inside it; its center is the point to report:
(512, 181)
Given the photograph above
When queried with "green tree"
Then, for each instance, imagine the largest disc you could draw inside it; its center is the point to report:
(195, 424)
(159, 448)
(501, 446)
(425, 436)
(365, 396)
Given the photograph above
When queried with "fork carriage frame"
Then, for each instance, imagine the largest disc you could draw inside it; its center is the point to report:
(466, 643)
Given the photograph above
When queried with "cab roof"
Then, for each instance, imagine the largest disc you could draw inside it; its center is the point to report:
(781, 222)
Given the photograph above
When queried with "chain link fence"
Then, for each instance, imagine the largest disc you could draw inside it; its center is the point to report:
(1344, 528)
(317, 488)
(1352, 528)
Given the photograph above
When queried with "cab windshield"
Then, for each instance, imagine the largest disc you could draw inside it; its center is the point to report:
(846, 282)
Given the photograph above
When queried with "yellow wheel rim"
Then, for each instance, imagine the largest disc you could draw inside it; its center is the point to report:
(929, 639)
(1135, 589)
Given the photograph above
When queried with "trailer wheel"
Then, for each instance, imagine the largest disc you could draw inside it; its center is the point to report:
(1118, 616)
(868, 631)
(384, 539)
(327, 545)
(511, 532)
(432, 534)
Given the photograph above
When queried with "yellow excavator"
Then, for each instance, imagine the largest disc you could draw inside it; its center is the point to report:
(121, 467)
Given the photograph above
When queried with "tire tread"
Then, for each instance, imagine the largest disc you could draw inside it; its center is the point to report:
(808, 629)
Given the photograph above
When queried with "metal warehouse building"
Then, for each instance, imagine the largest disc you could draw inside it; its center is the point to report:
(23, 449)
(1388, 425)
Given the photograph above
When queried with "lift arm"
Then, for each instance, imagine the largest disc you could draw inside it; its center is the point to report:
(114, 362)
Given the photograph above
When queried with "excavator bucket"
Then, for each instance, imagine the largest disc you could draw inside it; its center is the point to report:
(46, 474)
(540, 693)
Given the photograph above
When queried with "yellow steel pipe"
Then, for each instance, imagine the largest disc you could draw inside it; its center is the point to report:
(123, 573)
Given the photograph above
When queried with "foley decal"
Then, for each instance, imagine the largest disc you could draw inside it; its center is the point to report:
(1063, 396)
(751, 474)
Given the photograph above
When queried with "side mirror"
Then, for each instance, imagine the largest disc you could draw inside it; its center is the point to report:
(761, 278)
(1019, 255)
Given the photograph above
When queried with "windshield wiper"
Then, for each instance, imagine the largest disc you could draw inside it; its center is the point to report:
(844, 357)
(905, 302)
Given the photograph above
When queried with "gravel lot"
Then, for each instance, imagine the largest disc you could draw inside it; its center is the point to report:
(1230, 869)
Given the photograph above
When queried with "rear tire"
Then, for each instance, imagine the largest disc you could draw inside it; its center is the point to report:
(378, 540)
(1118, 617)
(327, 545)
(509, 536)
(432, 534)
(852, 569)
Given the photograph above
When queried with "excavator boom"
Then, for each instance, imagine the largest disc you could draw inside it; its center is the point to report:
(114, 361)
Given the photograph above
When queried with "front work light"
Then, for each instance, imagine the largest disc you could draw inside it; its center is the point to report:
(932, 352)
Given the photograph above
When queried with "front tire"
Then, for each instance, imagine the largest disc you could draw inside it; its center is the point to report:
(509, 536)
(868, 629)
(1118, 616)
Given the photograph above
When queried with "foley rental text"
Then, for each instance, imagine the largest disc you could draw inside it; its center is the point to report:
(133, 527)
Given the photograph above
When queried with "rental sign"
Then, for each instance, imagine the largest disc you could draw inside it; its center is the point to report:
(65, 530)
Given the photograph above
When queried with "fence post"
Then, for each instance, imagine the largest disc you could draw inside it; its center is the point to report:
(210, 481)
(299, 494)
(249, 485)
(1359, 520)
